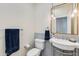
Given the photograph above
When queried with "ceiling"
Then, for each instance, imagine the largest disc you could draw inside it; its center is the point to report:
(55, 4)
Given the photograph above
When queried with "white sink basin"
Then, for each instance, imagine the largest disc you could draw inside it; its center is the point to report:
(64, 44)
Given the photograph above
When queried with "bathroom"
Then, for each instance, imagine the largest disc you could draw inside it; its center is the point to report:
(32, 19)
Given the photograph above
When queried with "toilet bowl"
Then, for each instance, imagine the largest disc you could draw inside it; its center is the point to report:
(39, 46)
(34, 52)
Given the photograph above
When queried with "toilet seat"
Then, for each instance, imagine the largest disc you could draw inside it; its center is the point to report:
(34, 52)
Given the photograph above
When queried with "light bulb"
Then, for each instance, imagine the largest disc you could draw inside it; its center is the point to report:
(72, 15)
(75, 10)
(53, 16)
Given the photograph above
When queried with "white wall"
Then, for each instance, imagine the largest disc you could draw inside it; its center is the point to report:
(42, 17)
(17, 15)
(30, 17)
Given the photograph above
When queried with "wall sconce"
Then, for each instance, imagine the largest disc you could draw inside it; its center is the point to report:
(74, 10)
(53, 16)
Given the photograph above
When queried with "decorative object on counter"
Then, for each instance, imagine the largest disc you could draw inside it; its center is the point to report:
(47, 34)
(72, 40)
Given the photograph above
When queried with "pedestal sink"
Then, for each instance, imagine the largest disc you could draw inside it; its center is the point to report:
(64, 44)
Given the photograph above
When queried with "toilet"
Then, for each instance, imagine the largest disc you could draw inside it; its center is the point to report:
(39, 46)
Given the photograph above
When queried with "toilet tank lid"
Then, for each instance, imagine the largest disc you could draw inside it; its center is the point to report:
(39, 40)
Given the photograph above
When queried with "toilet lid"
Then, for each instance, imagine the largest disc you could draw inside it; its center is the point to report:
(33, 52)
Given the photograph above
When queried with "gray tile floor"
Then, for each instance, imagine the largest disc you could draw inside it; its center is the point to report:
(48, 49)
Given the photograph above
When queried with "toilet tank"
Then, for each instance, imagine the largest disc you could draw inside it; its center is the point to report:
(39, 43)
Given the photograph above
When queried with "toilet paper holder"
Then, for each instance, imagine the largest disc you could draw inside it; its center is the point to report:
(27, 46)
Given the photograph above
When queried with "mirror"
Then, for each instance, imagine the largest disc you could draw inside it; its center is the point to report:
(64, 18)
